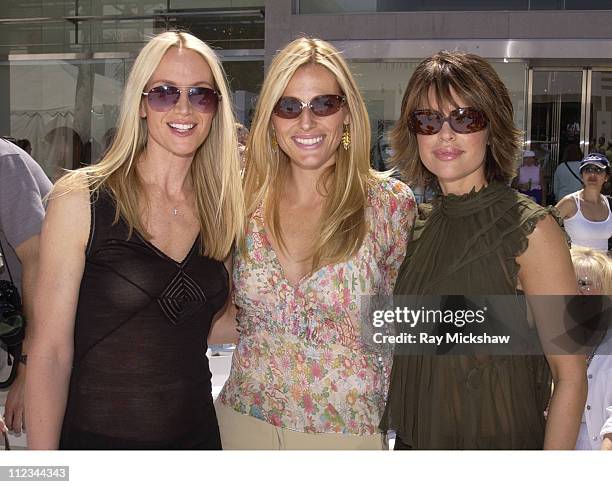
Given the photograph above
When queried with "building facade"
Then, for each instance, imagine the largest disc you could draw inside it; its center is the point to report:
(63, 63)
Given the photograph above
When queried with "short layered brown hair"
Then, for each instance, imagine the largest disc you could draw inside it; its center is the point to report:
(474, 80)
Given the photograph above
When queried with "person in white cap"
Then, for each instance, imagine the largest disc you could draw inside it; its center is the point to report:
(529, 178)
(586, 213)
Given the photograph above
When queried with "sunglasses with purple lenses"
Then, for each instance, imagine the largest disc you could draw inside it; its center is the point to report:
(322, 106)
(465, 120)
(163, 98)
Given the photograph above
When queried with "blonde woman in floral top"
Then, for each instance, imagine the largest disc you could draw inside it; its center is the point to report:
(324, 230)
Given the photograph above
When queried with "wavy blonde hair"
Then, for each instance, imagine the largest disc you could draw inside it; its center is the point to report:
(215, 169)
(342, 227)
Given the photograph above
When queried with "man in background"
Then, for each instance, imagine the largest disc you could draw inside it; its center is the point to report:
(567, 178)
(23, 185)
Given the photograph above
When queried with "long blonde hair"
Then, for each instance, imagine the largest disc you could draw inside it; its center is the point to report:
(215, 169)
(342, 227)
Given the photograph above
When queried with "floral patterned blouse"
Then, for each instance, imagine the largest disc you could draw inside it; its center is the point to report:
(300, 362)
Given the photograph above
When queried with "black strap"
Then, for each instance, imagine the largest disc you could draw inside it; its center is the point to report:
(5, 259)
(573, 173)
(5, 384)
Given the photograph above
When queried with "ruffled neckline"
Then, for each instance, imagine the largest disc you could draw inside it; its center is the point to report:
(453, 205)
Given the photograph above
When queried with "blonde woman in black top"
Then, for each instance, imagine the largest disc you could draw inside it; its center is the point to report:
(132, 273)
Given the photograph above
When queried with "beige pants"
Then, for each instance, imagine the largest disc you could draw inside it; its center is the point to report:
(243, 432)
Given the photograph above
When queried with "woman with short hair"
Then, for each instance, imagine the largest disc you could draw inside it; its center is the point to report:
(456, 130)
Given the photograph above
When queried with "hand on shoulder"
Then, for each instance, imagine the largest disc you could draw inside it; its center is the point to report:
(567, 207)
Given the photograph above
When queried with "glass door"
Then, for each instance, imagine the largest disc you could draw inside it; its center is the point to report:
(600, 112)
(557, 118)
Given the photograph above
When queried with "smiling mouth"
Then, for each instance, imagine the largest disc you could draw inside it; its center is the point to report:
(308, 141)
(182, 127)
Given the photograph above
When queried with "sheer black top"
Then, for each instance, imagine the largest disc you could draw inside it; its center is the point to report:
(141, 378)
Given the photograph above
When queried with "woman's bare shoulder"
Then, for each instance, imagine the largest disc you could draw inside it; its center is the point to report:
(69, 211)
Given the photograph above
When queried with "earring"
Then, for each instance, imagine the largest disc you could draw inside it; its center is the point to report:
(273, 141)
(346, 137)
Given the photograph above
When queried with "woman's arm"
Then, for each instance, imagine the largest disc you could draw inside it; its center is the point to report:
(546, 269)
(224, 325)
(61, 263)
(27, 252)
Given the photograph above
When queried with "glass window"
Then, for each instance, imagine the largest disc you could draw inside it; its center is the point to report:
(555, 119)
(218, 4)
(68, 109)
(546, 4)
(71, 26)
(588, 5)
(339, 6)
(225, 24)
(223, 30)
(449, 5)
(336, 6)
(64, 108)
(16, 9)
(245, 79)
(600, 134)
(47, 32)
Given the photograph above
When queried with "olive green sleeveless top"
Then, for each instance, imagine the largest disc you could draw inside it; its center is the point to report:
(469, 245)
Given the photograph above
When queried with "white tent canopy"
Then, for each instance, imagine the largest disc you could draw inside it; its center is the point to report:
(43, 97)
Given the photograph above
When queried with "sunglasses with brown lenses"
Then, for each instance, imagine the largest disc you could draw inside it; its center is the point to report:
(463, 120)
(289, 107)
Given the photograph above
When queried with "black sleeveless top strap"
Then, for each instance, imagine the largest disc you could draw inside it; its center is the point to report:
(141, 378)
